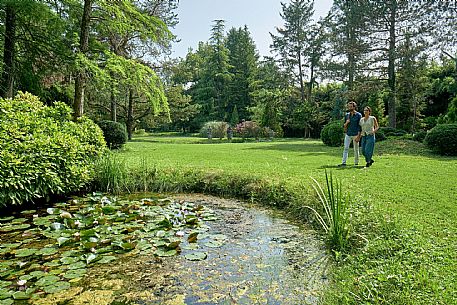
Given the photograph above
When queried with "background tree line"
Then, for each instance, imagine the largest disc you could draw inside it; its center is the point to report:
(103, 58)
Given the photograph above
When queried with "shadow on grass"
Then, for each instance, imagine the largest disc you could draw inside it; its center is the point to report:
(306, 147)
(337, 167)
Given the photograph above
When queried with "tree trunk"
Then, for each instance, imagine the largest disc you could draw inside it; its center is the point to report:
(311, 81)
(7, 82)
(391, 67)
(130, 115)
(80, 82)
(113, 107)
(300, 77)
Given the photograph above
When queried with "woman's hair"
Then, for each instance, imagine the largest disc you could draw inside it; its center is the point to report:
(367, 107)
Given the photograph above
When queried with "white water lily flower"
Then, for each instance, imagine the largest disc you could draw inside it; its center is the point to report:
(21, 282)
(35, 215)
(78, 223)
(180, 233)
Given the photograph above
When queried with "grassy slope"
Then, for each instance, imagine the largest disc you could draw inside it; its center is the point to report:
(412, 260)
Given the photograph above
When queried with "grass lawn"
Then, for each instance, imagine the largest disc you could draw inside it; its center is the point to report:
(405, 205)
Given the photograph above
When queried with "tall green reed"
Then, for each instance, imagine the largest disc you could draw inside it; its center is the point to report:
(334, 217)
(111, 174)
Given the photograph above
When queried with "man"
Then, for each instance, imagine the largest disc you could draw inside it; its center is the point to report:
(352, 132)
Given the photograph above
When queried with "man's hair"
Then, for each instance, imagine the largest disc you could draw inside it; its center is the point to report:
(353, 103)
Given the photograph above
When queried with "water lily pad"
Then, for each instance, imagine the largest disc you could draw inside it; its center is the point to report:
(37, 274)
(11, 246)
(21, 295)
(26, 277)
(6, 219)
(28, 212)
(89, 258)
(47, 251)
(68, 260)
(25, 252)
(63, 241)
(77, 265)
(56, 287)
(18, 220)
(4, 284)
(76, 273)
(6, 302)
(165, 253)
(193, 246)
(5, 293)
(47, 280)
(54, 263)
(192, 238)
(196, 256)
(214, 243)
(106, 259)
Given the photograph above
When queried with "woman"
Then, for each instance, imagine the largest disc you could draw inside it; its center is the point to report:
(369, 126)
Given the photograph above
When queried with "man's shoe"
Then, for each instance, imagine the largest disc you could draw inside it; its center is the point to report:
(368, 164)
(342, 165)
(371, 162)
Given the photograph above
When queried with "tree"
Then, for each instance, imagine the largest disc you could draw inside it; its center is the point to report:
(243, 62)
(291, 41)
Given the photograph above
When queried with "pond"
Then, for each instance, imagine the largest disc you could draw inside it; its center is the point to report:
(188, 249)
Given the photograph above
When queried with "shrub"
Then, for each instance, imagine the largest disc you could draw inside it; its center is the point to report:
(442, 139)
(218, 129)
(333, 134)
(42, 151)
(248, 129)
(419, 136)
(392, 132)
(115, 133)
(380, 135)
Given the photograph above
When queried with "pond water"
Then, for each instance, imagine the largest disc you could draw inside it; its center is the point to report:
(205, 250)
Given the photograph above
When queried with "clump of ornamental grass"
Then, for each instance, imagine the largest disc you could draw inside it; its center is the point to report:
(334, 215)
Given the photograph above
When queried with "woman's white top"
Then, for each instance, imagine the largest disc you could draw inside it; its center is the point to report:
(367, 125)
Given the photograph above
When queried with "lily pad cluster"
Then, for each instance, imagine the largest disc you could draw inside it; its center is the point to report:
(49, 251)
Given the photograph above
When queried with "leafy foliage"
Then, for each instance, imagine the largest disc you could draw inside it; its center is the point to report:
(332, 134)
(217, 129)
(443, 139)
(114, 132)
(420, 136)
(43, 152)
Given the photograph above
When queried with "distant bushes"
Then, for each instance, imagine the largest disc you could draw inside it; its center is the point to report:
(420, 136)
(42, 151)
(442, 139)
(115, 133)
(332, 134)
(218, 129)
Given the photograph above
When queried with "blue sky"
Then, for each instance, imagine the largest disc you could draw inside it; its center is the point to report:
(261, 16)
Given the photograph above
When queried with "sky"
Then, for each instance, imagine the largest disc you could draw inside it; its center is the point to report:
(261, 16)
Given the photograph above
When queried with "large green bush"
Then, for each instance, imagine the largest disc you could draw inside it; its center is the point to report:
(218, 129)
(42, 151)
(332, 134)
(442, 139)
(115, 133)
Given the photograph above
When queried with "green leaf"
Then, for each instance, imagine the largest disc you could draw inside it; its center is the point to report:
(63, 241)
(21, 295)
(196, 256)
(69, 260)
(47, 280)
(25, 252)
(165, 253)
(6, 219)
(106, 259)
(76, 273)
(6, 302)
(56, 287)
(47, 251)
(5, 293)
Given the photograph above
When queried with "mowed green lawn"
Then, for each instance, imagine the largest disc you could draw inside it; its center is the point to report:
(412, 261)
